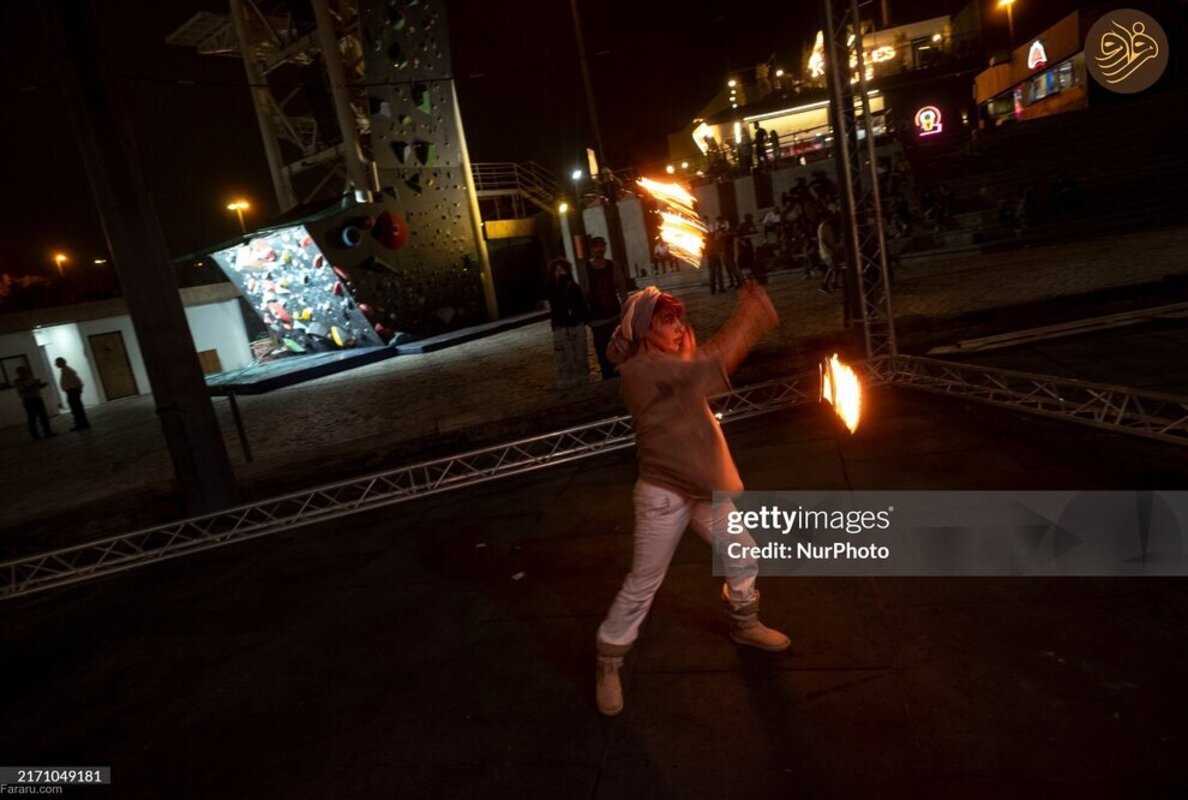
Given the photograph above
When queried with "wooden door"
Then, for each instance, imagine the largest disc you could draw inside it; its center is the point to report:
(111, 357)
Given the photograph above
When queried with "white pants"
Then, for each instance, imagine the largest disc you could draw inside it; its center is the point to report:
(661, 516)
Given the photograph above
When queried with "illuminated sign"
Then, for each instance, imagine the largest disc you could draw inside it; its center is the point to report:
(1126, 51)
(1036, 56)
(928, 121)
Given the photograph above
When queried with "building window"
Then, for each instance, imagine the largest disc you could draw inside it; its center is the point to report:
(1065, 77)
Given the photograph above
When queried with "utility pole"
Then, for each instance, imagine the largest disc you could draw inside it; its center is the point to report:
(141, 259)
(610, 206)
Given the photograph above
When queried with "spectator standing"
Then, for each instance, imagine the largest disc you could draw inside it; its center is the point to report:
(72, 385)
(744, 237)
(567, 314)
(761, 143)
(713, 256)
(28, 388)
(605, 289)
(829, 248)
(727, 244)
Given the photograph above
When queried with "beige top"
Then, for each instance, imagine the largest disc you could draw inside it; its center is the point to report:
(678, 440)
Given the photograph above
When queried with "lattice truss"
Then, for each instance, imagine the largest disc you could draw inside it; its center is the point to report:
(115, 554)
(276, 39)
(854, 150)
(1153, 415)
(1148, 414)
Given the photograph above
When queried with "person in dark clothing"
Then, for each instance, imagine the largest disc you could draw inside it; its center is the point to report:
(29, 388)
(726, 244)
(605, 289)
(773, 140)
(746, 247)
(712, 257)
(761, 143)
(72, 385)
(567, 314)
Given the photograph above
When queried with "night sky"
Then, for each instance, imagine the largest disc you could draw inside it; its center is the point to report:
(518, 81)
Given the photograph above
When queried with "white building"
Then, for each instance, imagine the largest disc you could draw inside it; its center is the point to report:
(98, 341)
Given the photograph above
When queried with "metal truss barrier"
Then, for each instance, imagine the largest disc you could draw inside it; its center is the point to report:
(857, 169)
(1120, 409)
(118, 553)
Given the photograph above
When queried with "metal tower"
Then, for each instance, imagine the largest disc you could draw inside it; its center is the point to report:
(854, 154)
(378, 118)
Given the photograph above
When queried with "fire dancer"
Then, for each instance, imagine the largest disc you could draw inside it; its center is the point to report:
(683, 459)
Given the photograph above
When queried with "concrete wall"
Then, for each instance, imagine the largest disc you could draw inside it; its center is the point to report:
(12, 412)
(213, 326)
(219, 326)
(635, 234)
(63, 341)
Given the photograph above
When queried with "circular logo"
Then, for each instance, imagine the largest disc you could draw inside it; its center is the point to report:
(1126, 51)
(928, 121)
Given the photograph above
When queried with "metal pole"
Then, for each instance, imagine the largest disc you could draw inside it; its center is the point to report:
(591, 109)
(239, 428)
(476, 217)
(262, 100)
(357, 170)
(614, 224)
(141, 260)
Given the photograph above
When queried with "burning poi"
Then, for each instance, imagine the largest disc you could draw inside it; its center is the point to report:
(680, 226)
(842, 389)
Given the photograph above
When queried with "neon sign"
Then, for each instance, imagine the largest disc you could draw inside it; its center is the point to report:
(928, 121)
(1036, 56)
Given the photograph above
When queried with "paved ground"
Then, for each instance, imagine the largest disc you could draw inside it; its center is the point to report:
(117, 476)
(396, 654)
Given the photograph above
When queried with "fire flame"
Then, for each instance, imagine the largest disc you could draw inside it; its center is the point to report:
(841, 387)
(680, 226)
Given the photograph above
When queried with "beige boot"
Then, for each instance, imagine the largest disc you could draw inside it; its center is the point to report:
(608, 689)
(747, 629)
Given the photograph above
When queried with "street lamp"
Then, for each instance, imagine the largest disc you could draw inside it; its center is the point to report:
(577, 175)
(59, 260)
(239, 206)
(1008, 5)
(563, 208)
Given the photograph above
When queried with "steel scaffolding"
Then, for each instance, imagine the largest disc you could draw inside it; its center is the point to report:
(857, 167)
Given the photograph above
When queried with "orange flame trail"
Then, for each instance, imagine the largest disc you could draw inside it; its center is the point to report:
(842, 389)
(680, 226)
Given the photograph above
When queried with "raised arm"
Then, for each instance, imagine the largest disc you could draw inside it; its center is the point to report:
(754, 316)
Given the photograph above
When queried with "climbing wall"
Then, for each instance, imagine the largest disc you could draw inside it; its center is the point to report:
(301, 297)
(415, 141)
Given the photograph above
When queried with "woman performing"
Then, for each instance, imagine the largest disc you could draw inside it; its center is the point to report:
(683, 460)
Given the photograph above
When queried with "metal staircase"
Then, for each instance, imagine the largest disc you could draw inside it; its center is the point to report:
(515, 190)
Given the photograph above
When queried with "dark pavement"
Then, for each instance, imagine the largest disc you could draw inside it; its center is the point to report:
(443, 647)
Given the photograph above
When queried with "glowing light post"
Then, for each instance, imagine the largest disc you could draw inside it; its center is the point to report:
(239, 206)
(1009, 5)
(59, 260)
(566, 236)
